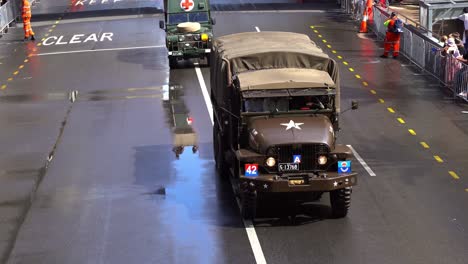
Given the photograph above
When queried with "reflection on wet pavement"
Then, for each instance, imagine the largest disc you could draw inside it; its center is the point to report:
(179, 119)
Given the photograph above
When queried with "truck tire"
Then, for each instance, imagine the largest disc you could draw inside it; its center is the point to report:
(218, 150)
(340, 201)
(248, 197)
(172, 63)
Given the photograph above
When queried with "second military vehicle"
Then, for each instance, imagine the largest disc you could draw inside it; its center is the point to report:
(276, 103)
(189, 29)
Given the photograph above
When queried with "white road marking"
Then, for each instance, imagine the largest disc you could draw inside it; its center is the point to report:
(249, 227)
(96, 50)
(270, 11)
(363, 163)
(464, 112)
(256, 28)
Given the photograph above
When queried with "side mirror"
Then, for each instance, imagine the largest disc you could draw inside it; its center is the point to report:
(161, 24)
(354, 105)
(213, 21)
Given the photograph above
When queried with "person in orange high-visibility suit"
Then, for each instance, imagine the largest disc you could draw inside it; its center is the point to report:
(26, 15)
(392, 39)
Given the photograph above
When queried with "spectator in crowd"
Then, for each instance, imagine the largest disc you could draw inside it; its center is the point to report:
(464, 18)
(459, 42)
(452, 47)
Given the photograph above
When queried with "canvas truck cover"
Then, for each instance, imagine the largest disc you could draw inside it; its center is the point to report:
(291, 55)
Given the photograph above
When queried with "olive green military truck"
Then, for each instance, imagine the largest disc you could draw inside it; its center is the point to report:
(276, 103)
(189, 29)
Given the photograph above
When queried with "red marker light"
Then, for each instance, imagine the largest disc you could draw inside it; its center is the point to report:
(189, 120)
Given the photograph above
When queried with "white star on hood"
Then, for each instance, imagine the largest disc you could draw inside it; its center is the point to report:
(291, 124)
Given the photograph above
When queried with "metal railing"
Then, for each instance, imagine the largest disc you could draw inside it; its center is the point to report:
(423, 51)
(8, 13)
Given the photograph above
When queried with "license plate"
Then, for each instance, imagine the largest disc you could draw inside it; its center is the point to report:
(288, 167)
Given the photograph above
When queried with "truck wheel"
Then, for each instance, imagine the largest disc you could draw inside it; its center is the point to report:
(340, 201)
(248, 202)
(172, 62)
(208, 61)
(218, 152)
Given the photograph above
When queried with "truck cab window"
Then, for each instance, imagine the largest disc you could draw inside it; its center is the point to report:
(177, 18)
(198, 17)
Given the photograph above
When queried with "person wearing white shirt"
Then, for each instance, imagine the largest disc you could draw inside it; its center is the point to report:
(464, 18)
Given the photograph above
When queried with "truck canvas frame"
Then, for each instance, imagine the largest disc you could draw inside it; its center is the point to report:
(276, 105)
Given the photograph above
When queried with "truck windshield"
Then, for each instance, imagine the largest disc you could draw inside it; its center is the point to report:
(177, 18)
(198, 17)
(285, 104)
(187, 17)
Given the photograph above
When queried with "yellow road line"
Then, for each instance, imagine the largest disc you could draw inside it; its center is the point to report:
(39, 44)
(324, 40)
(466, 190)
(424, 145)
(358, 76)
(365, 83)
(373, 92)
(312, 27)
(26, 60)
(439, 159)
(455, 176)
(42, 39)
(46, 35)
(329, 46)
(334, 51)
(319, 36)
(412, 132)
(3, 86)
(345, 63)
(315, 31)
(339, 57)
(16, 72)
(351, 69)
(56, 22)
(50, 30)
(401, 120)
(10, 79)
(21, 66)
(381, 100)
(391, 110)
(53, 26)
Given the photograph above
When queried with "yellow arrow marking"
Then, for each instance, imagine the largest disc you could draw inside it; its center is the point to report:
(424, 145)
(455, 176)
(439, 159)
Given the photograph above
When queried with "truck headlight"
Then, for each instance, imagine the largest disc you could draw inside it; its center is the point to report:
(181, 37)
(270, 162)
(204, 37)
(322, 160)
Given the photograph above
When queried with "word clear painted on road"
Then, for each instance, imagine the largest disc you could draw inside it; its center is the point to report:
(77, 39)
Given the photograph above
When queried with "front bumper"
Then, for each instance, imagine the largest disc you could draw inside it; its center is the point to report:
(189, 53)
(300, 182)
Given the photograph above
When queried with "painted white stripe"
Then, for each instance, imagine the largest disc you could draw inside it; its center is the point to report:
(269, 11)
(249, 227)
(96, 50)
(464, 112)
(256, 28)
(363, 163)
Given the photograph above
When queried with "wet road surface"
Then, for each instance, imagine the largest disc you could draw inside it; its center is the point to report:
(114, 190)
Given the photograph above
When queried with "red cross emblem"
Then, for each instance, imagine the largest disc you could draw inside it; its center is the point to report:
(186, 5)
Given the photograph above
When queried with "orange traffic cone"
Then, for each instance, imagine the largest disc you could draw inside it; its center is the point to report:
(363, 28)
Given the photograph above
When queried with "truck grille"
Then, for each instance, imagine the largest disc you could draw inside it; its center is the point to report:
(309, 155)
